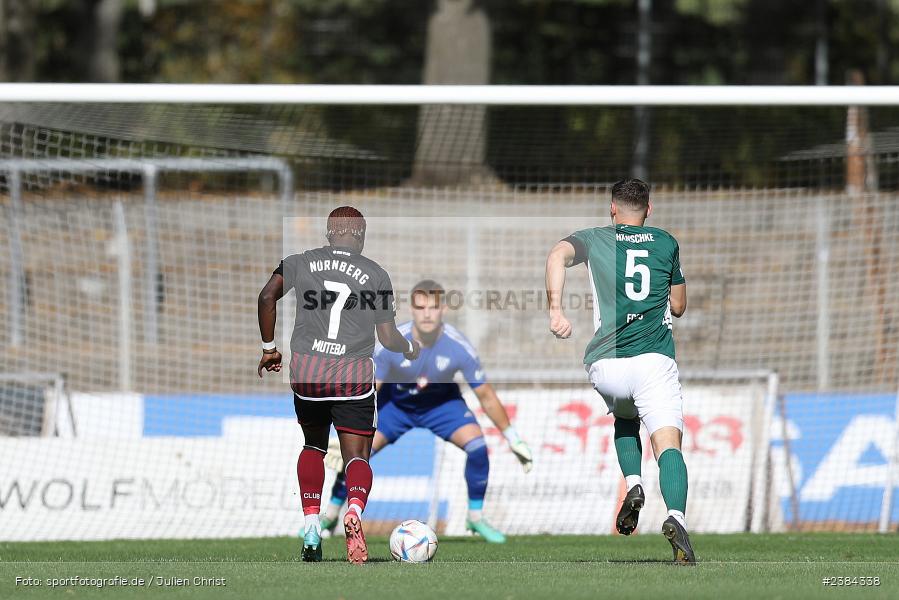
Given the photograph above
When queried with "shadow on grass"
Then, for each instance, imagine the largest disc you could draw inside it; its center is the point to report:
(337, 561)
(635, 561)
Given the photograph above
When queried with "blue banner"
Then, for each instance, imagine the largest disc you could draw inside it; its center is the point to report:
(202, 415)
(840, 445)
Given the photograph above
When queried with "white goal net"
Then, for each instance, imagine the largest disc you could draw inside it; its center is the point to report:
(32, 404)
(138, 236)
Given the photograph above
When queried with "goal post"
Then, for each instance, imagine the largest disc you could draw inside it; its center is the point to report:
(886, 507)
(139, 222)
(148, 169)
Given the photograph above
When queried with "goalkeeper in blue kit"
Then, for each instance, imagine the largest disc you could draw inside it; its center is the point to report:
(421, 393)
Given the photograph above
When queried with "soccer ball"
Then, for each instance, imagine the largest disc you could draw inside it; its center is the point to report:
(413, 541)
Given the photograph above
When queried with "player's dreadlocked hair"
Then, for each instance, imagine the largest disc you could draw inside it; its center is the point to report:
(346, 219)
(632, 193)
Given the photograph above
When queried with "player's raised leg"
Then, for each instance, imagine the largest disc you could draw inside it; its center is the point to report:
(666, 443)
(630, 457)
(356, 450)
(471, 440)
(311, 476)
(612, 379)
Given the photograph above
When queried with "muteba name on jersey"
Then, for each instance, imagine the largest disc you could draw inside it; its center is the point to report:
(329, 347)
(634, 238)
(342, 266)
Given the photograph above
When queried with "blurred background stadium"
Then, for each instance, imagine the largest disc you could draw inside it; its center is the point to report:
(136, 237)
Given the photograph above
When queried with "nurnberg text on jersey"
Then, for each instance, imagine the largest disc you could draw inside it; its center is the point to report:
(342, 266)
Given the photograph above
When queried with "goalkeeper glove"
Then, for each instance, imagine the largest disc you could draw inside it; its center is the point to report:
(334, 458)
(521, 450)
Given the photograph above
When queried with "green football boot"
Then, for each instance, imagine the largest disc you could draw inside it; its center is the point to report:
(312, 546)
(486, 531)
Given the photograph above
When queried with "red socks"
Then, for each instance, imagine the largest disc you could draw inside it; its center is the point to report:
(311, 474)
(358, 483)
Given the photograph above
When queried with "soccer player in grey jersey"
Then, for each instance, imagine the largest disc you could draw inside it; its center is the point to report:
(343, 299)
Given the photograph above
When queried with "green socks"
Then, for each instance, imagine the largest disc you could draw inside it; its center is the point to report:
(628, 446)
(672, 478)
(672, 469)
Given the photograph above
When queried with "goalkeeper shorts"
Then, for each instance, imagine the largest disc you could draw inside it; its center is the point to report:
(645, 387)
(442, 419)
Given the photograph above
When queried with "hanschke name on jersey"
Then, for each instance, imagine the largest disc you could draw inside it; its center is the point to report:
(634, 238)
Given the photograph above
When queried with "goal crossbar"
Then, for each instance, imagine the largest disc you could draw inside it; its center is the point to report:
(502, 95)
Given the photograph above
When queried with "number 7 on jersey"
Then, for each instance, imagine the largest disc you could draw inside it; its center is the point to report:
(343, 292)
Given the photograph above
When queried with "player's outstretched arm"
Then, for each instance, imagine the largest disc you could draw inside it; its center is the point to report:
(678, 299)
(393, 340)
(268, 313)
(560, 257)
(497, 413)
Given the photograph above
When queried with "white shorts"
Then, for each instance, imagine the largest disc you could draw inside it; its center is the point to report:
(645, 387)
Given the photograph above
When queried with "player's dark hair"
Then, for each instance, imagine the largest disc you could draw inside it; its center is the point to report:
(346, 220)
(632, 193)
(429, 287)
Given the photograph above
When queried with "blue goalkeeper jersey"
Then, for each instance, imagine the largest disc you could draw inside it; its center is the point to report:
(426, 382)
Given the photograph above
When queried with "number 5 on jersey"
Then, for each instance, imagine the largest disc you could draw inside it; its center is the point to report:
(632, 269)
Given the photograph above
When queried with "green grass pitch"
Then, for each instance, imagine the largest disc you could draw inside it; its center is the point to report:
(788, 566)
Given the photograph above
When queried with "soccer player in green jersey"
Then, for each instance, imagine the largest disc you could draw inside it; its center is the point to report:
(636, 277)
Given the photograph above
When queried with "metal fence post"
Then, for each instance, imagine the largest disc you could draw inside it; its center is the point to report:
(822, 253)
(151, 267)
(285, 175)
(123, 259)
(17, 259)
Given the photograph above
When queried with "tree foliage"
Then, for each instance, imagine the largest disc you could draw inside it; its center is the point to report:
(534, 42)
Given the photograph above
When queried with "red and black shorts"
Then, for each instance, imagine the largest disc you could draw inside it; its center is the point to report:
(359, 416)
(316, 376)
